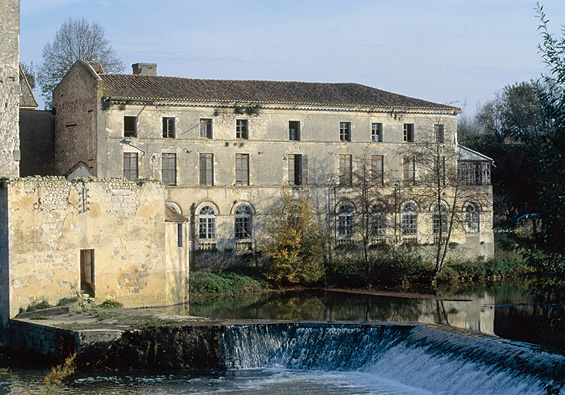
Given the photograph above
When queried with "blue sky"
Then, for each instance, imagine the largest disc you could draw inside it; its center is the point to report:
(457, 52)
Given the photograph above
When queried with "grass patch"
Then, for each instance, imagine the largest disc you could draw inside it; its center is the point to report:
(67, 301)
(38, 306)
(111, 304)
(206, 281)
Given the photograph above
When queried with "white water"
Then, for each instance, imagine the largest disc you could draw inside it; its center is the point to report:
(399, 360)
(301, 359)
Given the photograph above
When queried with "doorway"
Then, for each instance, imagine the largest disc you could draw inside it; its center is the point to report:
(87, 272)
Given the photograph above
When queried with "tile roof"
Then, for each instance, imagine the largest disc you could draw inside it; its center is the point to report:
(27, 99)
(122, 86)
(171, 215)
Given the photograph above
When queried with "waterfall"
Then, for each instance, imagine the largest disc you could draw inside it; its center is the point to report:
(428, 357)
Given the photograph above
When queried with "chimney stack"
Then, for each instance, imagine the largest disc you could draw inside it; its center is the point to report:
(144, 69)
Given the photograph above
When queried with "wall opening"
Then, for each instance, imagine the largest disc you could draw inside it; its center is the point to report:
(87, 272)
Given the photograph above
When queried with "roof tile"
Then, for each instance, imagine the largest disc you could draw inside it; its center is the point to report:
(122, 86)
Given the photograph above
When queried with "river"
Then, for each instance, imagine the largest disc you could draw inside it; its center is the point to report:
(370, 366)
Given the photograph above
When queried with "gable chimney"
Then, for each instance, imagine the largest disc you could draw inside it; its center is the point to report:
(144, 68)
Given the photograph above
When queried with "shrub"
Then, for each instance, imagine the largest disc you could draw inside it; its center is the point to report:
(111, 304)
(206, 281)
(38, 306)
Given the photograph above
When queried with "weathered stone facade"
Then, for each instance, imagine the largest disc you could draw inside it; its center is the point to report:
(108, 238)
(9, 87)
(230, 157)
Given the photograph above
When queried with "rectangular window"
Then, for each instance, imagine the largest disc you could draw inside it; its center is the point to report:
(297, 169)
(168, 127)
(345, 170)
(345, 131)
(377, 132)
(409, 170)
(179, 234)
(409, 132)
(377, 169)
(440, 133)
(131, 169)
(241, 129)
(130, 126)
(294, 130)
(241, 169)
(169, 169)
(206, 128)
(206, 169)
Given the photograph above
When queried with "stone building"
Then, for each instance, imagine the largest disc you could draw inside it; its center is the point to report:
(223, 149)
(112, 239)
(9, 87)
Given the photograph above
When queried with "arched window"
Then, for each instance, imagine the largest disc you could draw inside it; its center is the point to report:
(472, 218)
(243, 222)
(379, 219)
(207, 223)
(409, 220)
(345, 220)
(440, 220)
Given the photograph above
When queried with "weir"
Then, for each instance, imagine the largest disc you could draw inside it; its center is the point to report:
(436, 359)
(425, 357)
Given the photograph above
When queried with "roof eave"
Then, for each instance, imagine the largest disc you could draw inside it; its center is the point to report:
(446, 110)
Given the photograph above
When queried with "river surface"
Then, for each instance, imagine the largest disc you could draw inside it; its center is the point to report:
(504, 310)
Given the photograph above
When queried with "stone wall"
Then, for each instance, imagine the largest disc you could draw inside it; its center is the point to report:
(75, 103)
(56, 227)
(37, 143)
(9, 87)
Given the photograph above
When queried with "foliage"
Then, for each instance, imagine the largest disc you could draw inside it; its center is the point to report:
(546, 258)
(76, 39)
(515, 110)
(52, 382)
(38, 306)
(206, 281)
(390, 266)
(111, 304)
(29, 71)
(400, 266)
(249, 110)
(66, 301)
(295, 239)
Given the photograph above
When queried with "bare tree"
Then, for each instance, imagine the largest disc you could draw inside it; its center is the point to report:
(443, 190)
(76, 39)
(367, 194)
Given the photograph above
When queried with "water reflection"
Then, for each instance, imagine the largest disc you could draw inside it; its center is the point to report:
(474, 312)
(505, 310)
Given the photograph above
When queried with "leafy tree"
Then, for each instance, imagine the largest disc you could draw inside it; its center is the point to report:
(295, 239)
(547, 258)
(512, 129)
(515, 111)
(552, 148)
(76, 39)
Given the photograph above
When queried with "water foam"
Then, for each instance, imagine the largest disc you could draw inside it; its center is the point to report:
(420, 357)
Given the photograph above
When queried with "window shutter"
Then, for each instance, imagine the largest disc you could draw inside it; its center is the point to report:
(202, 169)
(291, 173)
(304, 170)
